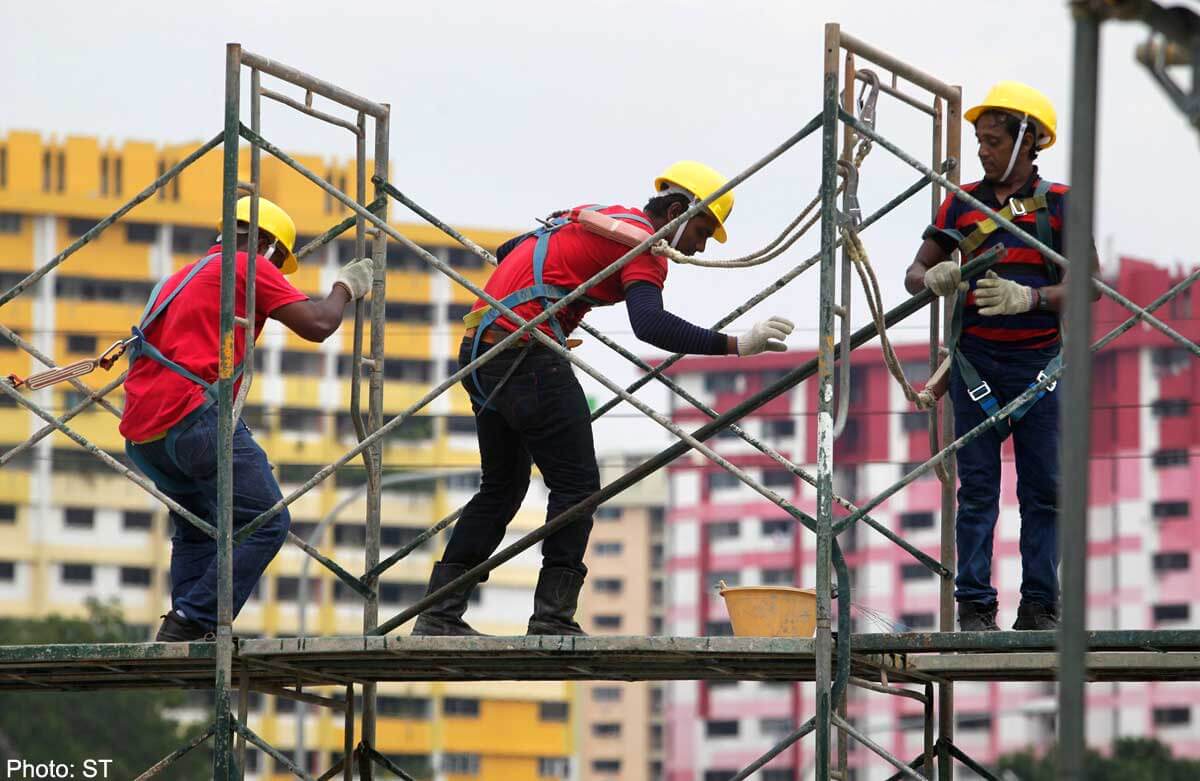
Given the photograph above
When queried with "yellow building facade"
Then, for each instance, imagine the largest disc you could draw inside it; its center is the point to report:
(72, 529)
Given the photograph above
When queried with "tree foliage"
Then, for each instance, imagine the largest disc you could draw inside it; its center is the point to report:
(1132, 759)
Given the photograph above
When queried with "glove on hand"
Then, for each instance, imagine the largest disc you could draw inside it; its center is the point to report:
(356, 276)
(996, 296)
(945, 278)
(765, 336)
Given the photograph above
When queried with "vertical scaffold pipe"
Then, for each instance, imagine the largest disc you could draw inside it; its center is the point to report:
(825, 363)
(223, 736)
(1077, 402)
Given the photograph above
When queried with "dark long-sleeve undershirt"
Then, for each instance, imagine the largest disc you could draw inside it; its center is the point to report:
(654, 325)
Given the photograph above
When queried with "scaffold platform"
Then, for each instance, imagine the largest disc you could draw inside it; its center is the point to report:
(273, 664)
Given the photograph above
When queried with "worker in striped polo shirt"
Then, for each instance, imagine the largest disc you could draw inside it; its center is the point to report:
(1009, 333)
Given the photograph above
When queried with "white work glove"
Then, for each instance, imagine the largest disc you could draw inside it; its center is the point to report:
(356, 276)
(996, 296)
(945, 278)
(766, 336)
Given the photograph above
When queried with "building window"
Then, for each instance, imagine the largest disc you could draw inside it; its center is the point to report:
(350, 534)
(1178, 612)
(460, 764)
(61, 165)
(1172, 457)
(304, 364)
(915, 572)
(607, 513)
(465, 707)
(79, 518)
(608, 585)
(77, 226)
(1172, 509)
(137, 520)
(135, 576)
(81, 343)
(728, 576)
(403, 593)
(722, 480)
(914, 421)
(3, 166)
(10, 223)
(973, 721)
(721, 728)
(1169, 360)
(718, 629)
(118, 179)
(910, 722)
(918, 621)
(776, 727)
(77, 573)
(8, 513)
(1172, 561)
(777, 527)
(914, 521)
(606, 766)
(190, 241)
(778, 479)
(554, 767)
(787, 774)
(1172, 717)
(405, 707)
(719, 775)
(723, 530)
(608, 548)
(781, 576)
(606, 694)
(1170, 408)
(779, 428)
(607, 621)
(140, 232)
(607, 729)
(8, 571)
(553, 711)
(722, 382)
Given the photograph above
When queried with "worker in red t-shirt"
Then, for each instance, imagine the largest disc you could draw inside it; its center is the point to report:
(170, 417)
(529, 407)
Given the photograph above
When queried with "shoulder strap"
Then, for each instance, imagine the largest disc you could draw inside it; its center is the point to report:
(149, 316)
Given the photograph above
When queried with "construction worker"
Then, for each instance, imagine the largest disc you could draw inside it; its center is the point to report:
(170, 417)
(1010, 334)
(528, 404)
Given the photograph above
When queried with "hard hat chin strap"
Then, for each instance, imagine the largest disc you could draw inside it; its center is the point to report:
(1012, 160)
(673, 190)
(679, 232)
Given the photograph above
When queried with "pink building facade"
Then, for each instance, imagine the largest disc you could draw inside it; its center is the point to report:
(1144, 546)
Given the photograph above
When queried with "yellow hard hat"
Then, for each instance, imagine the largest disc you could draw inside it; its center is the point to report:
(701, 181)
(276, 222)
(1021, 99)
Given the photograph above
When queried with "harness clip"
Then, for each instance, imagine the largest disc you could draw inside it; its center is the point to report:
(983, 390)
(1049, 388)
(1018, 208)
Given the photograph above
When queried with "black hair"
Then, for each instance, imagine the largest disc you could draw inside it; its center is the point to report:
(1012, 124)
(659, 204)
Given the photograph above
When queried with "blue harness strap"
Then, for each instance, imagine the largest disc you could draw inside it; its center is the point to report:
(539, 291)
(977, 388)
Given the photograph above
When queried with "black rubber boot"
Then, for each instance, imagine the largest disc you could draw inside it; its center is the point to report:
(977, 617)
(176, 629)
(446, 618)
(554, 602)
(1034, 615)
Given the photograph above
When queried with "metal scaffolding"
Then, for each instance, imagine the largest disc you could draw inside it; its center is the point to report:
(908, 665)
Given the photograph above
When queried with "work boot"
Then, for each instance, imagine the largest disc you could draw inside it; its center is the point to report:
(977, 617)
(445, 618)
(177, 629)
(1035, 615)
(554, 602)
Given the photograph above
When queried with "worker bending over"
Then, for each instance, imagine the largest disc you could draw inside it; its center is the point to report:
(529, 406)
(170, 417)
(1010, 335)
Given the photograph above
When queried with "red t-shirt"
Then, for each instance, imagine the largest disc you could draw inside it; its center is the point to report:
(156, 397)
(575, 255)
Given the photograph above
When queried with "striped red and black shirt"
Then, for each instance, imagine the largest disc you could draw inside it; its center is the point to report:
(1020, 262)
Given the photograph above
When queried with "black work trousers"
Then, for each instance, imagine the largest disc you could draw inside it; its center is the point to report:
(539, 416)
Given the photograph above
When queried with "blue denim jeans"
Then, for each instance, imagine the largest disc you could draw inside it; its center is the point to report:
(1035, 447)
(189, 476)
(539, 416)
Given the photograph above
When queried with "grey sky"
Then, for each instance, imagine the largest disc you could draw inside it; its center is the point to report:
(503, 111)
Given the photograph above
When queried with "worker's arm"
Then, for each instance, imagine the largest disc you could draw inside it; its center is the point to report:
(1055, 296)
(655, 325)
(317, 320)
(929, 255)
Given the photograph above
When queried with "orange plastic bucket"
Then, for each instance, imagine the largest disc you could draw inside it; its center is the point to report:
(771, 611)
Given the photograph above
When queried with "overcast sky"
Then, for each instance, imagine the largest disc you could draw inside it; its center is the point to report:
(503, 111)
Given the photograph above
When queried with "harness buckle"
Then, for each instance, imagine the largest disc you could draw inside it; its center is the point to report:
(1018, 208)
(981, 391)
(1049, 388)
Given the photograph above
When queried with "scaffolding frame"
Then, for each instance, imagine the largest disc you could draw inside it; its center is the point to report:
(834, 662)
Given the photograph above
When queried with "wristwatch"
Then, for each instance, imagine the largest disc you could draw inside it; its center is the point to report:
(1042, 304)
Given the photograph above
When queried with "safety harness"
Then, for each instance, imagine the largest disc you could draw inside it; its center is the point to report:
(978, 388)
(140, 347)
(483, 318)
